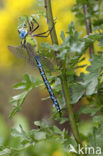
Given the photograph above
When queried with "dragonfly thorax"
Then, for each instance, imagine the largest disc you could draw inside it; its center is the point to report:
(31, 40)
(22, 33)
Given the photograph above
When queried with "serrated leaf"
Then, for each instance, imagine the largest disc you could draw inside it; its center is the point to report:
(40, 136)
(17, 102)
(92, 86)
(77, 92)
(77, 47)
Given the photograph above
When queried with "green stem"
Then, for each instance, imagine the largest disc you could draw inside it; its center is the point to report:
(50, 21)
(88, 27)
(63, 80)
(70, 109)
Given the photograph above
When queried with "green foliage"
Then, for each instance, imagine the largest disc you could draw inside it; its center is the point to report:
(26, 85)
(94, 11)
(95, 139)
(46, 138)
(69, 53)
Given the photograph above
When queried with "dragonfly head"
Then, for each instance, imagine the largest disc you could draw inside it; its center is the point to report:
(22, 33)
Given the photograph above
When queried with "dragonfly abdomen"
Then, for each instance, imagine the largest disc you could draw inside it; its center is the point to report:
(47, 85)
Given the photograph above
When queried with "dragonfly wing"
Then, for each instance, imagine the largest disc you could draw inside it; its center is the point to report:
(22, 52)
(30, 50)
(18, 51)
(47, 63)
(31, 54)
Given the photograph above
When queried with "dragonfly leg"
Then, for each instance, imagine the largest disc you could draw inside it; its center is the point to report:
(40, 35)
(24, 41)
(35, 28)
(32, 26)
(43, 32)
(32, 30)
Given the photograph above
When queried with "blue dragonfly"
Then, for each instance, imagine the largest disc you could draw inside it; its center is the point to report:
(28, 50)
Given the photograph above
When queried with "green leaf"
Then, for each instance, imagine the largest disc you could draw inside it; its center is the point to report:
(62, 35)
(40, 136)
(37, 123)
(92, 86)
(85, 109)
(63, 120)
(77, 91)
(96, 139)
(98, 119)
(57, 130)
(13, 112)
(5, 151)
(77, 47)
(17, 102)
(26, 85)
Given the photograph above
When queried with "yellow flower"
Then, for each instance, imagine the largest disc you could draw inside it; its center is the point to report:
(57, 153)
(85, 62)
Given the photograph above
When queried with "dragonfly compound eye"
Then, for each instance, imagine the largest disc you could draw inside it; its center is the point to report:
(22, 33)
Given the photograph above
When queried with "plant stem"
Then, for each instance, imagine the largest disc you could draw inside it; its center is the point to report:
(63, 80)
(69, 106)
(50, 21)
(88, 28)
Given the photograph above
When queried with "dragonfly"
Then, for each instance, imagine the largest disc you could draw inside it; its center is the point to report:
(28, 50)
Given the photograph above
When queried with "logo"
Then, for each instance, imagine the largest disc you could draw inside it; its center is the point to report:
(72, 149)
(85, 150)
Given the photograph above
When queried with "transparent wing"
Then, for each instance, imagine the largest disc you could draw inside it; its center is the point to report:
(45, 62)
(18, 51)
(28, 53)
(25, 53)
